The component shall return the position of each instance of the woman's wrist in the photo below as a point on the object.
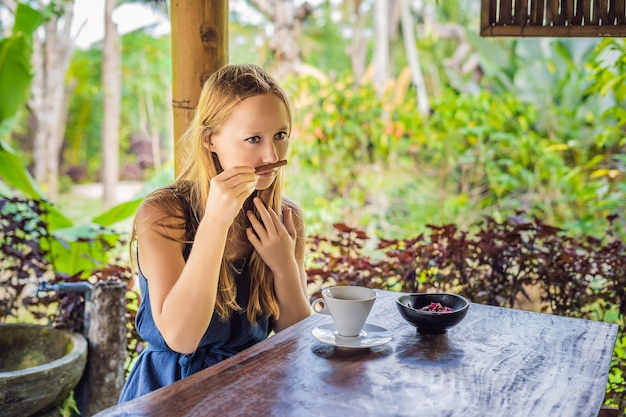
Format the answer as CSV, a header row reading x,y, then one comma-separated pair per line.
x,y
288,270
213,223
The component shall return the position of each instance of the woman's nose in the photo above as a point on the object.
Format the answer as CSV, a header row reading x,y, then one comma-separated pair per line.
x,y
270,153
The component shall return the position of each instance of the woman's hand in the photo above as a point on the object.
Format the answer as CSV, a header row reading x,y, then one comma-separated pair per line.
x,y
274,241
228,191
281,246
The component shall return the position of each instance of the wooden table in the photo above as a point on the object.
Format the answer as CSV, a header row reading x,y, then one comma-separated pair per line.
x,y
497,362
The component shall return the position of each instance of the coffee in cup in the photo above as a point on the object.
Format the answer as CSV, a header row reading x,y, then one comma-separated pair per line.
x,y
349,307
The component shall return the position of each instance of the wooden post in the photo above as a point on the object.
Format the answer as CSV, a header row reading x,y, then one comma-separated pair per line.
x,y
199,48
102,381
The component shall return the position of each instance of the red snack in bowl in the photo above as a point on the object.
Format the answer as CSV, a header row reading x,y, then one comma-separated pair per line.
x,y
436,308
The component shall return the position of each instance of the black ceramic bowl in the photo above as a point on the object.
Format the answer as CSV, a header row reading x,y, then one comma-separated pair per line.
x,y
410,306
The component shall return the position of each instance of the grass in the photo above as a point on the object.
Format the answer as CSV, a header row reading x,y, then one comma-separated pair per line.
x,y
85,202
392,203
79,209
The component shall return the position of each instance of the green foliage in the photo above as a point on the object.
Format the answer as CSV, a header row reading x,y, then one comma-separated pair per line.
x,y
349,136
347,128
16,70
14,174
70,250
320,31
82,147
375,162
145,102
16,73
608,78
15,78
68,407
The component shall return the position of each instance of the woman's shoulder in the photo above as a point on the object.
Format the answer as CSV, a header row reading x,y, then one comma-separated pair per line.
x,y
166,206
289,203
295,208
163,199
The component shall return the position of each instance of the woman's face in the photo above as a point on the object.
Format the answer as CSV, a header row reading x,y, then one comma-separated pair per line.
x,y
255,134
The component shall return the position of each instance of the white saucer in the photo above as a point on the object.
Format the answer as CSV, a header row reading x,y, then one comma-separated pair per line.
x,y
370,336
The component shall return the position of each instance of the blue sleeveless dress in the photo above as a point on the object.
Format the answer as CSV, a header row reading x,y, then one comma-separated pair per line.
x,y
158,365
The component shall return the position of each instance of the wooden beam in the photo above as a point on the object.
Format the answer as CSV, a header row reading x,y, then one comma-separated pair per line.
x,y
556,31
199,48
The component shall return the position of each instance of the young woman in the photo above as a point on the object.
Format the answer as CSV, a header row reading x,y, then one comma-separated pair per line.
x,y
220,252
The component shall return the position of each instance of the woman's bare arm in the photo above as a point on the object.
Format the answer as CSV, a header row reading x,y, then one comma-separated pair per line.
x,y
183,294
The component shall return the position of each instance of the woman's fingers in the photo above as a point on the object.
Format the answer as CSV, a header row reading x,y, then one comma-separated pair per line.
x,y
257,226
270,224
253,238
237,182
229,190
268,216
234,177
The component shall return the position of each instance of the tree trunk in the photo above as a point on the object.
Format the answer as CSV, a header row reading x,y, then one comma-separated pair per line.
x,y
381,45
199,48
52,52
284,42
112,86
150,124
358,46
413,58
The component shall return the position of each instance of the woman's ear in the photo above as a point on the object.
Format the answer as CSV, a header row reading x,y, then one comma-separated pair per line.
x,y
206,140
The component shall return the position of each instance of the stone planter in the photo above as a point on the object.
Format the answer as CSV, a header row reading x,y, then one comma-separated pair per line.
x,y
39,367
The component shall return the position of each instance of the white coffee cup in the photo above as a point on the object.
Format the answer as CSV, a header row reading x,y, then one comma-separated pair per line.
x,y
349,307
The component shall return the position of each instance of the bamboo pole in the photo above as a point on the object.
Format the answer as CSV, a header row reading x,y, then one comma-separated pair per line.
x,y
199,48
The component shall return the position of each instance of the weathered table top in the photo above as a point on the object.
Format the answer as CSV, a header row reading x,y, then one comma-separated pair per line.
x,y
497,362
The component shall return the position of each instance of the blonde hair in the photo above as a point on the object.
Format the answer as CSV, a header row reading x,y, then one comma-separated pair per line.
x,y
220,95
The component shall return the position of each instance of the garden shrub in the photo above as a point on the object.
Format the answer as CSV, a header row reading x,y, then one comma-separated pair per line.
x,y
372,159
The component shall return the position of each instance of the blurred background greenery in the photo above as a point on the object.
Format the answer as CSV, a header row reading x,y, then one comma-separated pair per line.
x,y
533,124
514,123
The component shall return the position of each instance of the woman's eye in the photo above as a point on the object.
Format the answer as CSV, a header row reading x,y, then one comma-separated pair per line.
x,y
254,139
281,136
